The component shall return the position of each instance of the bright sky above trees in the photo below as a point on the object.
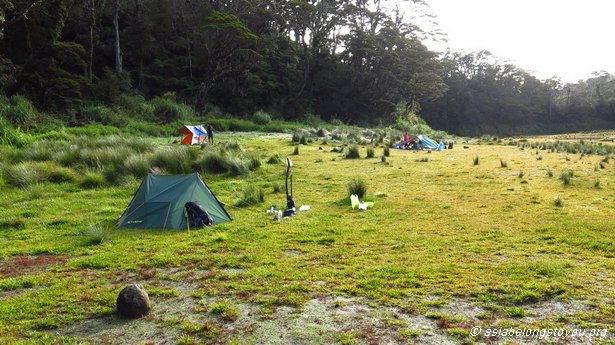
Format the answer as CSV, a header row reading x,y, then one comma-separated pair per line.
x,y
567,38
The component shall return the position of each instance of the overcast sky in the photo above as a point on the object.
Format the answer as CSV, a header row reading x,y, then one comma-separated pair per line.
x,y
567,38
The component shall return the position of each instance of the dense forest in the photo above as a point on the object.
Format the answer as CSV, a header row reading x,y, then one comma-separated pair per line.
x,y
357,61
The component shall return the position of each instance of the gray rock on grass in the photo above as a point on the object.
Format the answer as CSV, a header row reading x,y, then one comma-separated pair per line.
x,y
133,301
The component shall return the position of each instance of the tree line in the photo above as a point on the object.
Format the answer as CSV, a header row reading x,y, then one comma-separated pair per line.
x,y
357,61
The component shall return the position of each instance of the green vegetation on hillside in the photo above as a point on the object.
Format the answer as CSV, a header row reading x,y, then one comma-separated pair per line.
x,y
358,62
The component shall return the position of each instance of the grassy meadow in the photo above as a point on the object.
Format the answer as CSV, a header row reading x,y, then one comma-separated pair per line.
x,y
504,233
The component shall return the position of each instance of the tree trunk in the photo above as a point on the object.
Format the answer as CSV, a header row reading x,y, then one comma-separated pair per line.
x,y
141,75
190,57
116,25
92,23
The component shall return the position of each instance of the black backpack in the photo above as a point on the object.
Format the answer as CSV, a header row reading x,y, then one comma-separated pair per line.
x,y
197,216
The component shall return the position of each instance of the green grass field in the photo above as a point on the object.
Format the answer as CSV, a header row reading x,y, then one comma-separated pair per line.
x,y
449,245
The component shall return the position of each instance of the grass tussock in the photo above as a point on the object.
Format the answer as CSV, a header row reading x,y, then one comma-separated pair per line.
x,y
96,234
220,161
386,152
370,152
274,159
357,187
251,195
92,179
29,173
566,177
558,201
352,153
173,159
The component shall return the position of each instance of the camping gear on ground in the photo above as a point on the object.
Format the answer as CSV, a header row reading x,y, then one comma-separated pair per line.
x,y
197,216
160,202
406,143
426,142
419,142
193,134
290,203
356,204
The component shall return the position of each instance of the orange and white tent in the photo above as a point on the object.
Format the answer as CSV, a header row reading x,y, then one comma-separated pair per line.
x,y
193,134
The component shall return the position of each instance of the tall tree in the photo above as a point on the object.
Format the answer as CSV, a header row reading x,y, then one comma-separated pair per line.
x,y
116,27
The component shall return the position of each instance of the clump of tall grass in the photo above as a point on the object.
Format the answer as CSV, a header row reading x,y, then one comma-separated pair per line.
x,y
521,174
253,162
12,136
237,166
231,146
549,173
357,187
296,151
96,234
370,152
353,153
558,201
580,147
566,177
92,179
261,117
219,161
167,110
213,162
476,160
21,175
42,150
35,191
19,111
274,159
102,114
137,164
28,173
278,187
503,164
101,157
386,152
175,159
251,195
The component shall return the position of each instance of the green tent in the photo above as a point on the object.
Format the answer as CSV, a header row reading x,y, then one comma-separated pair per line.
x,y
160,200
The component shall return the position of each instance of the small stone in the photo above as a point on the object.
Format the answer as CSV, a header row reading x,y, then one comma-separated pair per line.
x,y
133,301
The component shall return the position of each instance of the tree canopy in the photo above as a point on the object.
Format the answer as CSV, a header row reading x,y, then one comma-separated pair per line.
x,y
353,60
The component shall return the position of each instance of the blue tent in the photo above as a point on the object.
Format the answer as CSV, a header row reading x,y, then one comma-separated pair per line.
x,y
426,142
